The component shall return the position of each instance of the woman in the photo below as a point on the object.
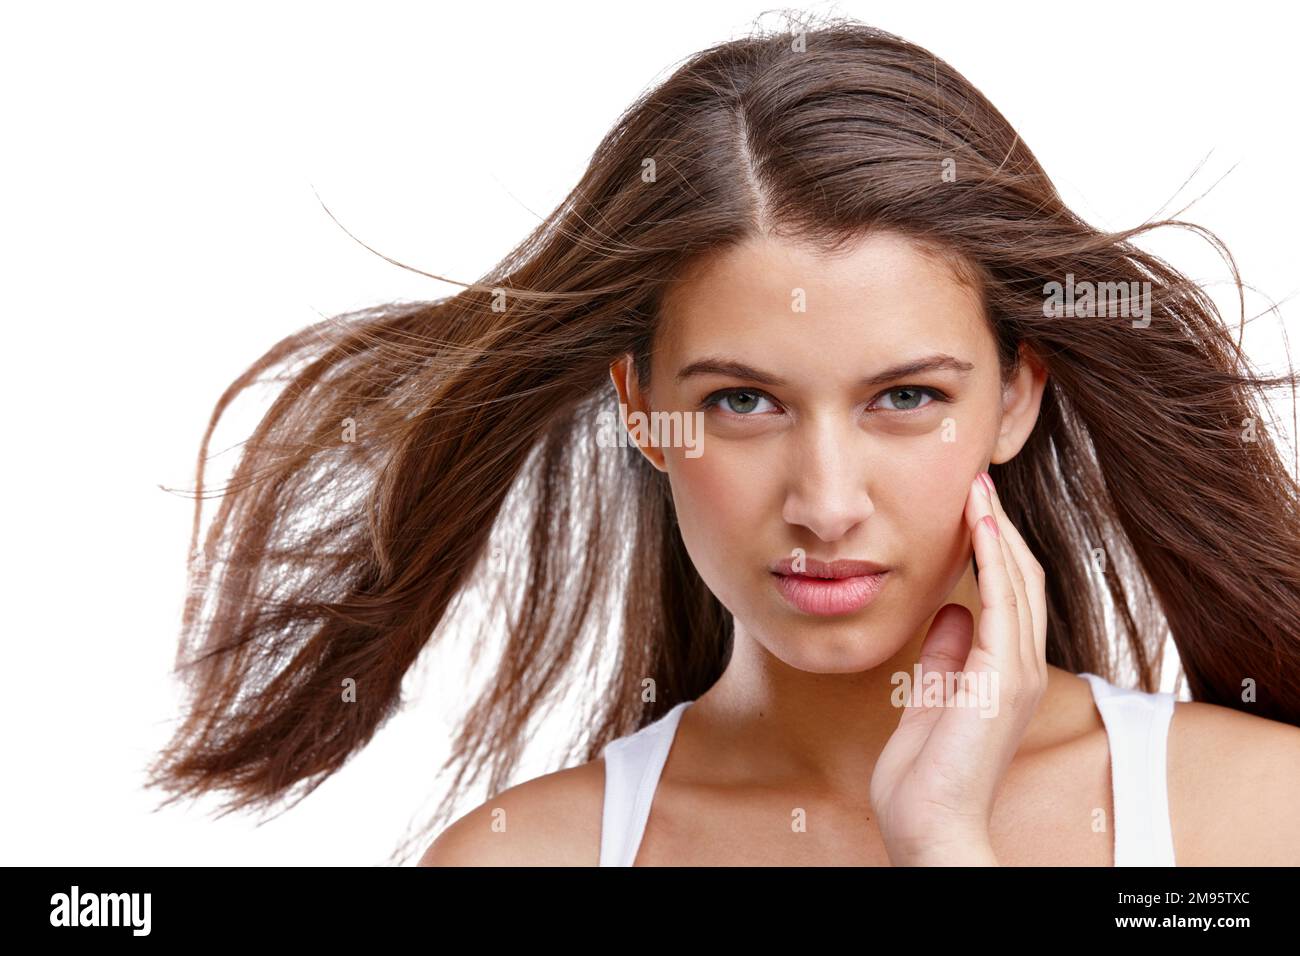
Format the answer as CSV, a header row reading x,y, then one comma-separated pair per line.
x,y
887,412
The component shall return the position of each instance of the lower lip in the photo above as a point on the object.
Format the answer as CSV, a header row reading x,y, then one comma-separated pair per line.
x,y
829,596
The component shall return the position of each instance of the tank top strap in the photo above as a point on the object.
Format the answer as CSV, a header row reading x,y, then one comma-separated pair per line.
x,y
633,764
1137,729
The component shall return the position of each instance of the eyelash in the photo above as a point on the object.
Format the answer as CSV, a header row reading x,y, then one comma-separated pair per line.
x,y
934,393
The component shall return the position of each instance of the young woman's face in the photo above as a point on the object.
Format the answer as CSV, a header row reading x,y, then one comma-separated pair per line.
x,y
815,445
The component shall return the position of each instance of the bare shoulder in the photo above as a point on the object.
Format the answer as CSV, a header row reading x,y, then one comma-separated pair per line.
x,y
552,820
1233,777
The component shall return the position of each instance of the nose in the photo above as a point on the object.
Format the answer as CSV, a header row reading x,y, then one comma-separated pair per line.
x,y
827,490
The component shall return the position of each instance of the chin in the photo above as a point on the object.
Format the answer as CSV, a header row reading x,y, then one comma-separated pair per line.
x,y
846,647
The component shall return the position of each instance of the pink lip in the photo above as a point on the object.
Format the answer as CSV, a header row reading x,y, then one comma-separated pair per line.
x,y
829,596
813,568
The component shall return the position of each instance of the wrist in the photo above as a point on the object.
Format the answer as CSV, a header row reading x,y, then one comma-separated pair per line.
x,y
948,849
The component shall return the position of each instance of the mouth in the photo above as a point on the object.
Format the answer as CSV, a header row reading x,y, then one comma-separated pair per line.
x,y
828,588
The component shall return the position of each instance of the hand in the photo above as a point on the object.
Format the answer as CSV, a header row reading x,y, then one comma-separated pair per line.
x,y
934,785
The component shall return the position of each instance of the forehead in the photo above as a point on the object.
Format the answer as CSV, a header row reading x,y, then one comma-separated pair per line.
x,y
882,299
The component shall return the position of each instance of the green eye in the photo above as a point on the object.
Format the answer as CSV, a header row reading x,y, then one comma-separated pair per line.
x,y
738,401
910,398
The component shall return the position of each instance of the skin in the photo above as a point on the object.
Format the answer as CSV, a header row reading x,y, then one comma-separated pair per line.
x,y
802,720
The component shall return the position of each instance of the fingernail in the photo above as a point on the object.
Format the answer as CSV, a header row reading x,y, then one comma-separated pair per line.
x,y
987,479
993,525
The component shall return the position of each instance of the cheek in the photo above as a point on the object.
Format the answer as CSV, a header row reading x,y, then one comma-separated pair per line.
x,y
926,492
716,492
719,499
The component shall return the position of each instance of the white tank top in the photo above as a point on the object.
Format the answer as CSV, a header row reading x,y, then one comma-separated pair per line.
x,y
1137,729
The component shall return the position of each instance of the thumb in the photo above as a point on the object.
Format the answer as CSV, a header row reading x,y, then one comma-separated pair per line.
x,y
947,643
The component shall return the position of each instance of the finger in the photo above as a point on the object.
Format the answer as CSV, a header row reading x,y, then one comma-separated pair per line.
x,y
999,618
1032,574
947,642
1024,633
1023,609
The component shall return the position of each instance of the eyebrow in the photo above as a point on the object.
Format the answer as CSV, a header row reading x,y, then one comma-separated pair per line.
x,y
930,363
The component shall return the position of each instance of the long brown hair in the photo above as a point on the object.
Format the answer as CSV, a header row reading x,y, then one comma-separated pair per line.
x,y
473,452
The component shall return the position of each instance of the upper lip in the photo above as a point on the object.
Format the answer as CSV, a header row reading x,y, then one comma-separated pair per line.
x,y
841,568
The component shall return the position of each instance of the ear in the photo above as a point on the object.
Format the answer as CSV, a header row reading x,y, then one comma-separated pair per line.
x,y
1021,399
631,401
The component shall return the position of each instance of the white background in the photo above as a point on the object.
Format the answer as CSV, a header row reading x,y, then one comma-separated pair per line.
x,y
161,228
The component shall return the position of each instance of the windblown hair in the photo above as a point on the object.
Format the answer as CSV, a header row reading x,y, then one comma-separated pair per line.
x,y
476,420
